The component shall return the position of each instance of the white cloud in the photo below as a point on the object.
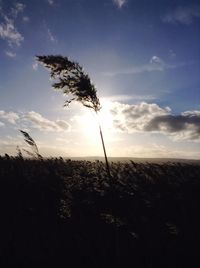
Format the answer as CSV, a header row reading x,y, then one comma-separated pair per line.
x,y
35,120
26,18
152,118
119,3
191,113
156,60
9,32
11,117
62,124
182,15
51,2
10,54
1,124
44,124
19,7
132,118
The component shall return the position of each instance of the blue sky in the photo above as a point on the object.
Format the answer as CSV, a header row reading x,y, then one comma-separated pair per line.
x,y
142,56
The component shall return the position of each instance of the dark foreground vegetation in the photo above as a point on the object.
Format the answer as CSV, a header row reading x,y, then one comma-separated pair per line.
x,y
63,213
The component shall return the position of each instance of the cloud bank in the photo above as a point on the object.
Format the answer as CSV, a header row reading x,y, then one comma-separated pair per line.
x,y
146,117
43,124
34,120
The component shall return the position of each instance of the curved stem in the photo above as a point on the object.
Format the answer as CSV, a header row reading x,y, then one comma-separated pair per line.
x,y
103,145
104,150
109,174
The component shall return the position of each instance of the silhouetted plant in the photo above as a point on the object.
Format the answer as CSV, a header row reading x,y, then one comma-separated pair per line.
x,y
32,143
72,80
51,211
19,152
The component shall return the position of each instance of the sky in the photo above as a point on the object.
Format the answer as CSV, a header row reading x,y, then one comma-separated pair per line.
x,y
142,56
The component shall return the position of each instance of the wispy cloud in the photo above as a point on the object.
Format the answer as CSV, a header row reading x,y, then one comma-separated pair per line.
x,y
182,15
119,3
11,117
51,36
48,32
146,117
10,54
155,64
8,30
18,7
35,66
172,54
124,98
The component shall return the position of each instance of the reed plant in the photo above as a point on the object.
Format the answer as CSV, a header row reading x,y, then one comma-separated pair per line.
x,y
76,85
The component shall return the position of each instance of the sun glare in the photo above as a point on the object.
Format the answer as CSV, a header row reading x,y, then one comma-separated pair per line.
x,y
90,122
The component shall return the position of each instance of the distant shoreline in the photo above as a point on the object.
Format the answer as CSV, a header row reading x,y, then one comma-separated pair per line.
x,y
121,159
135,159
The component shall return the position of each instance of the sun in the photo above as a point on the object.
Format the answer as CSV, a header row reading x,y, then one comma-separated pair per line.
x,y
90,122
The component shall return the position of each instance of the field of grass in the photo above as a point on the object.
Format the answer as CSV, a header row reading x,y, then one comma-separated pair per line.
x,y
67,213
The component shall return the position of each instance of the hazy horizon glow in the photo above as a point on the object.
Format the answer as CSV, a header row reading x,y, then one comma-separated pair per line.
x,y
143,59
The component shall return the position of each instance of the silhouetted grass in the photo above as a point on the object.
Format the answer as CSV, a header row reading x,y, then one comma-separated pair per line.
x,y
62,213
